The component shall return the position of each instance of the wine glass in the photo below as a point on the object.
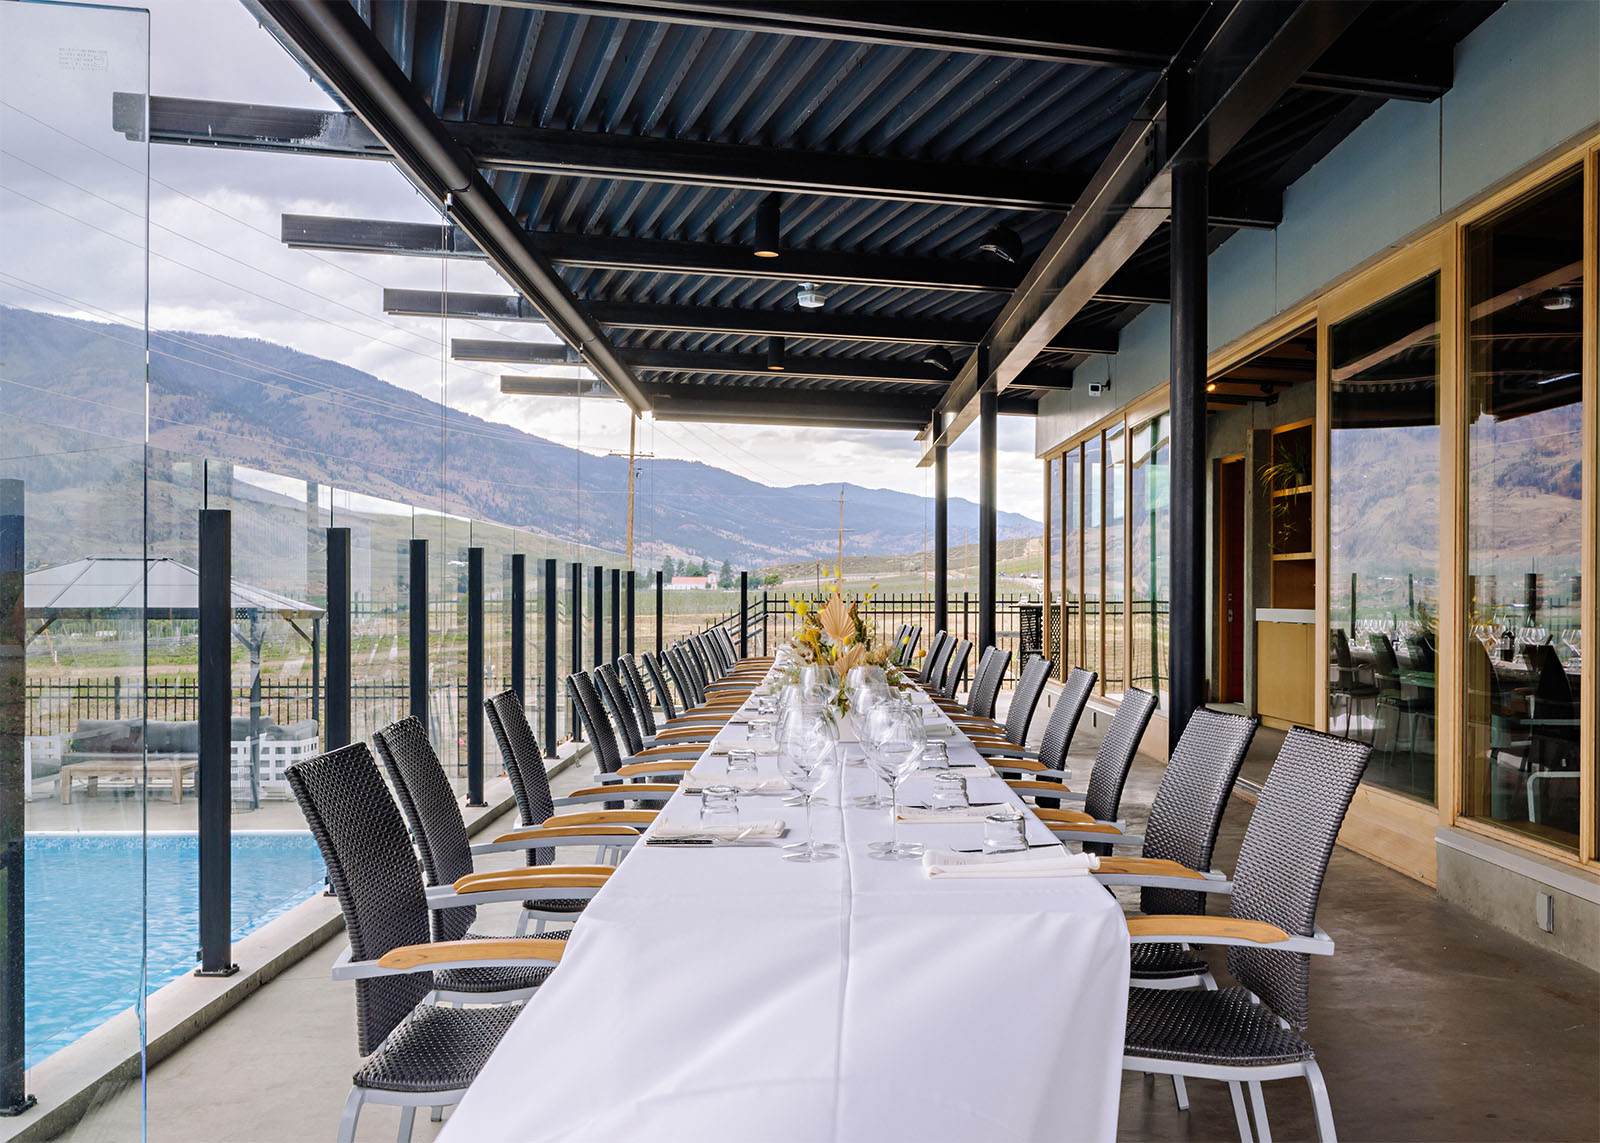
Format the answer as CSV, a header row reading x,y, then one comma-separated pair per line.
x,y
805,720
869,729
899,739
807,759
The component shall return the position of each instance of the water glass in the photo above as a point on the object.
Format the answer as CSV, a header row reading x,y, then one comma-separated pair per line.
x,y
935,755
719,806
742,762
760,730
1005,831
766,705
949,791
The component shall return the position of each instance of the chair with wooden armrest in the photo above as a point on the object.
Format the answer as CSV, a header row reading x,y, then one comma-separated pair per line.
x,y
434,815
955,669
932,672
624,720
1102,796
1076,825
1247,1035
1051,760
672,729
418,1053
985,692
1012,735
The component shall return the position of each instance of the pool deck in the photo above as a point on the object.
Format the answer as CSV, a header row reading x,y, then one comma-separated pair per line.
x,y
1429,1025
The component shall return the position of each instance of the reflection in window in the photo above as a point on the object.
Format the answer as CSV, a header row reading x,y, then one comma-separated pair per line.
x,y
1093,514
1052,575
1524,511
1383,552
1072,561
1150,512
1112,671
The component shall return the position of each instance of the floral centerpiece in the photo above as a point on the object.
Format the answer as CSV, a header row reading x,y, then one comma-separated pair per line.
x,y
839,636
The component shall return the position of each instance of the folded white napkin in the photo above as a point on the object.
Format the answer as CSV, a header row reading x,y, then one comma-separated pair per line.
x,y
743,831
696,781
1052,862
939,730
916,815
722,748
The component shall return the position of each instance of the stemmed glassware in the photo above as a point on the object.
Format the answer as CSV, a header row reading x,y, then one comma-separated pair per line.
x,y
807,756
898,737
799,720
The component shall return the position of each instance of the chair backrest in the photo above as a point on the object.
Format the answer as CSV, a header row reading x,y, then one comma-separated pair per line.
x,y
524,765
1114,759
730,649
623,719
659,681
908,644
1384,664
580,688
955,668
1187,809
430,809
677,667
374,874
1284,858
702,658
1064,718
1025,699
985,691
633,684
686,658
938,652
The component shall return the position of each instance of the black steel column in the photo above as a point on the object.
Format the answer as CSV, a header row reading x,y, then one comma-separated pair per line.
x,y
337,678
1188,533
214,774
14,1097
575,599
316,671
658,614
633,589
475,677
616,614
941,532
552,644
988,491
419,631
519,627
744,615
599,614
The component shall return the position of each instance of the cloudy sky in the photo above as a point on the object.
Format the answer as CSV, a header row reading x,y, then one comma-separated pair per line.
x,y
217,266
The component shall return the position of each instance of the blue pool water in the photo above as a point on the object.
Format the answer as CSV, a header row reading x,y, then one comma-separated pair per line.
x,y
86,909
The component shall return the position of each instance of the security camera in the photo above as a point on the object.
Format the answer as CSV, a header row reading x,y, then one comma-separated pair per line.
x,y
1098,387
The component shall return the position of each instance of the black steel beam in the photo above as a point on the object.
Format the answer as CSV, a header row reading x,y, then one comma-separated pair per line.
x,y
519,626
1187,650
616,614
336,729
756,406
646,361
552,628
633,599
554,387
475,714
214,774
941,535
988,533
334,43
418,642
1137,37
1235,68
744,615
598,593
14,1097
650,255
575,601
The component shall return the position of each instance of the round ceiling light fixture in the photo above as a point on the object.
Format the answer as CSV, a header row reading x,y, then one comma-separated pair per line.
x,y
768,224
809,297
1003,243
938,357
775,354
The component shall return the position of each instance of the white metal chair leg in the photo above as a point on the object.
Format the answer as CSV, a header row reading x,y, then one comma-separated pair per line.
x,y
1209,981
522,923
1181,1091
1258,1101
1320,1103
436,1115
408,1118
1236,1091
350,1115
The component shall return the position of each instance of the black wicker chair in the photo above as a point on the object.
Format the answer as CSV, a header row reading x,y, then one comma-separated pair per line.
x,y
1011,737
932,673
669,709
1047,770
638,698
417,1054
985,693
455,886
1095,825
1247,1034
955,669
907,653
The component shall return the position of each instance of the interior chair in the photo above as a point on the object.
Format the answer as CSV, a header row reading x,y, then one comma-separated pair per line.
x,y
1347,685
1247,1034
417,1054
955,669
1011,737
1040,776
932,671
1096,824
985,693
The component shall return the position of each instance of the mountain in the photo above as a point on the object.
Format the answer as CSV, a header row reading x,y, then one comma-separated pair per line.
x,y
270,407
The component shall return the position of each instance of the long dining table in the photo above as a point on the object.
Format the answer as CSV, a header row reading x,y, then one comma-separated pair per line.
x,y
722,993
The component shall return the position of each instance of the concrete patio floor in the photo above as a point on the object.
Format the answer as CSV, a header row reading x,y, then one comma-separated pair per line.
x,y
1428,1024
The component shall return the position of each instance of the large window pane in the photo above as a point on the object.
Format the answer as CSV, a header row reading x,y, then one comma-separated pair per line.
x,y
1093,555
1150,511
1113,674
1383,554
1524,513
1052,588
1072,560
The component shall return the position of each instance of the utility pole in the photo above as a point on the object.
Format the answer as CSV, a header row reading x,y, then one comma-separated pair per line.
x,y
841,533
634,457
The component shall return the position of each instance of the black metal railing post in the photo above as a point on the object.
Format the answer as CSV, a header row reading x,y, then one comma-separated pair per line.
x,y
336,688
616,614
658,613
552,644
633,588
475,677
214,776
599,613
519,627
575,598
14,1097
744,615
419,633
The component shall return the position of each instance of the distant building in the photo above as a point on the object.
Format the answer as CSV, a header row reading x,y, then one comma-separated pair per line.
x,y
689,582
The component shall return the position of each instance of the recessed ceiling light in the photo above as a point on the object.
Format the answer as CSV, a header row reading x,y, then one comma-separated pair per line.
x,y
1211,386
1558,300
808,296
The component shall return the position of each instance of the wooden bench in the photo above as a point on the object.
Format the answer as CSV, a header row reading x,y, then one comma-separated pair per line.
x,y
175,766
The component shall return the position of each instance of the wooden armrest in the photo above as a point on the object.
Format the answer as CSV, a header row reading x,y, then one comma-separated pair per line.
x,y
1148,866
1185,928
602,817
633,769
657,751
1032,787
1020,764
554,834
1085,827
541,877
1063,817
445,952
624,790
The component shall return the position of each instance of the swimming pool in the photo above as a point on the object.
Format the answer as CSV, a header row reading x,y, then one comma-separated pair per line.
x,y
86,908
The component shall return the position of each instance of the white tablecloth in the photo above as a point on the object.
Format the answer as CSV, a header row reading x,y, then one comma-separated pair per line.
x,y
726,994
